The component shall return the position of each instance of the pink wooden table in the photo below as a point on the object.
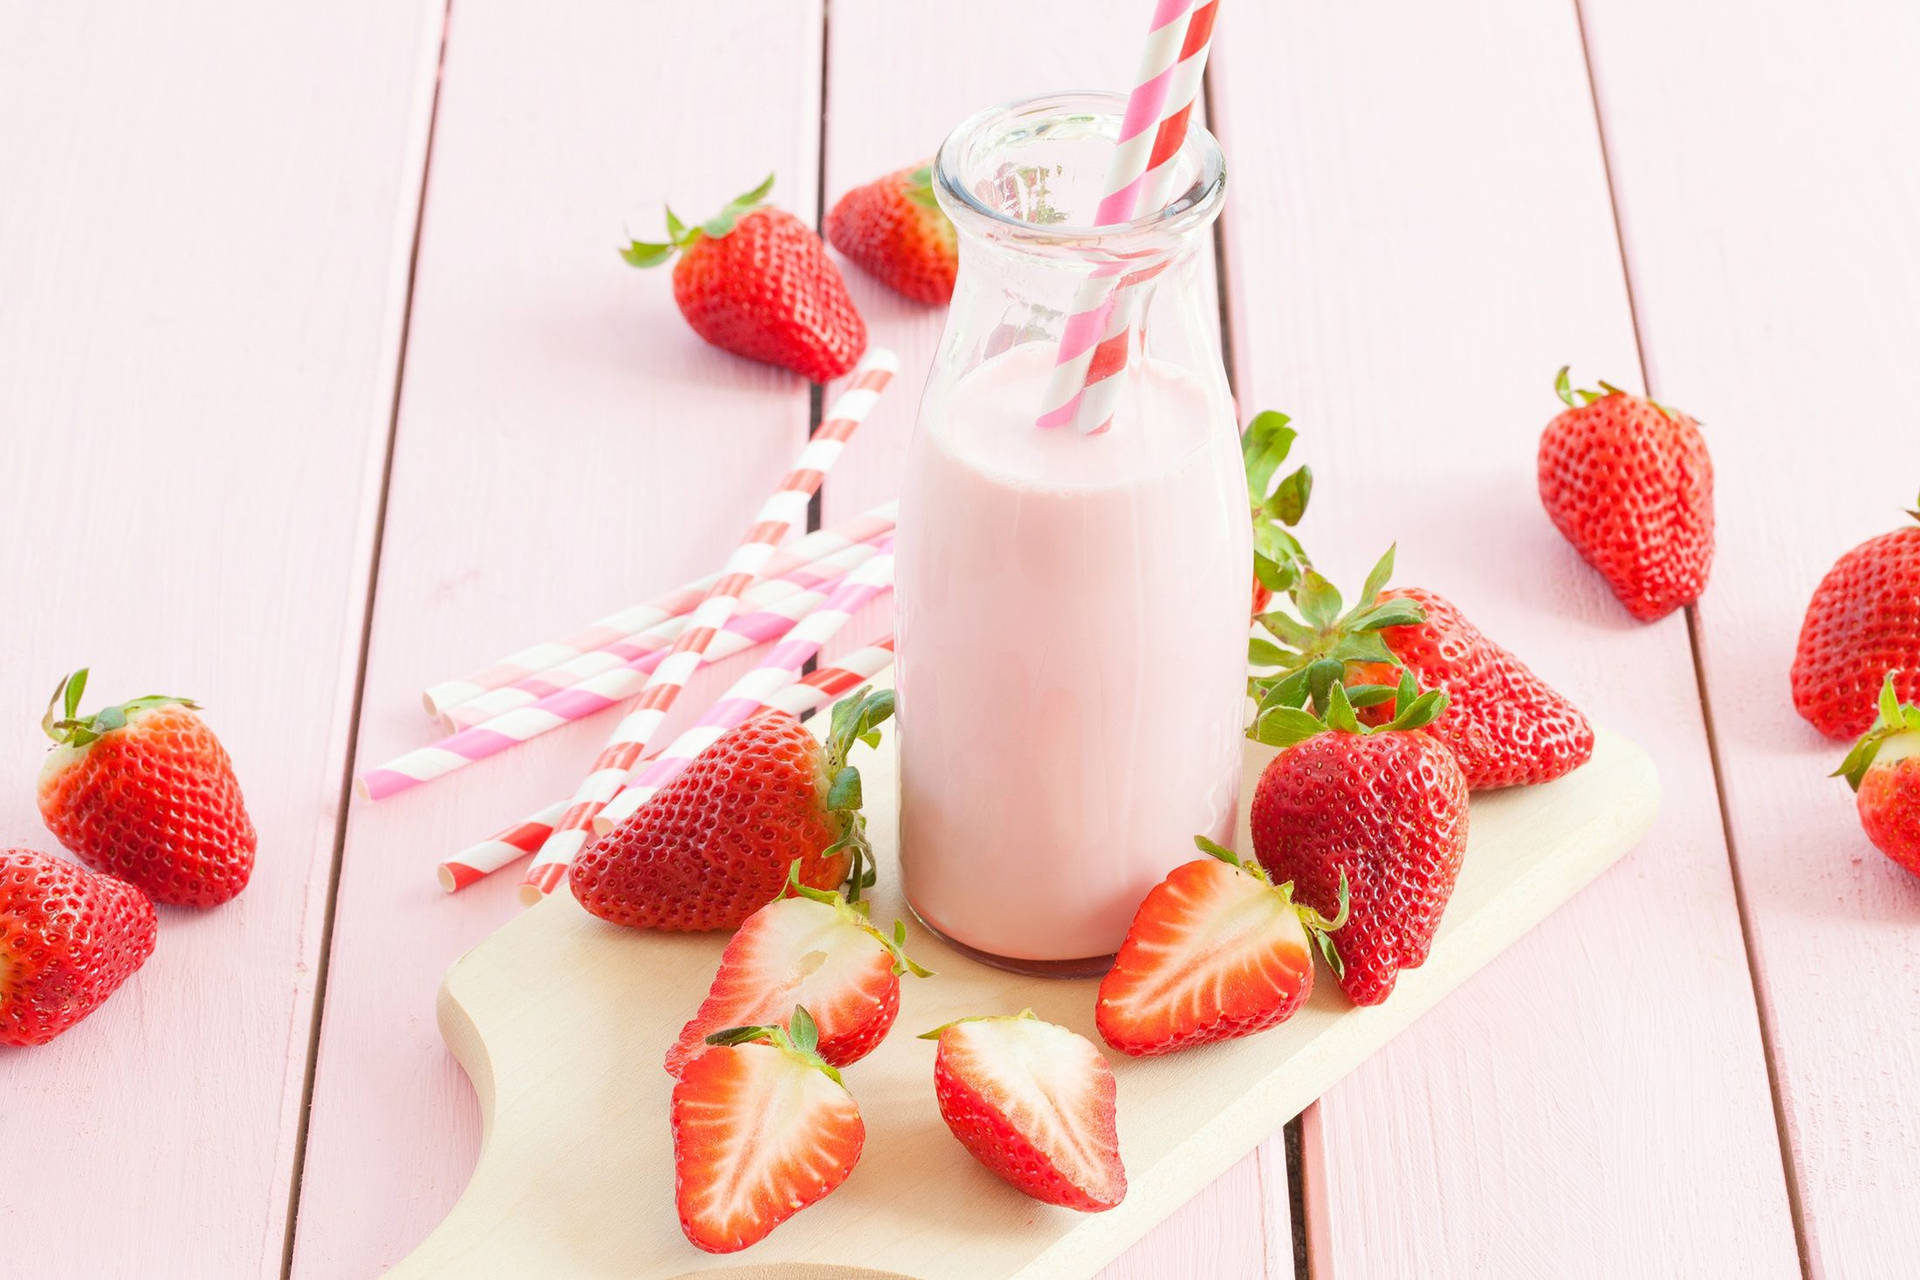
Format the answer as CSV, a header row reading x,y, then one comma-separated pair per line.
x,y
320,380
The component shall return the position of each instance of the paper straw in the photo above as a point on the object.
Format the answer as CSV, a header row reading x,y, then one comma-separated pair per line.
x,y
510,728
786,507
768,609
811,692
624,623
778,668
1093,346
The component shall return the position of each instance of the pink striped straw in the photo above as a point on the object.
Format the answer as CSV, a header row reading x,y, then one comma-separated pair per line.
x,y
1093,346
624,623
769,606
809,693
510,728
786,507
778,668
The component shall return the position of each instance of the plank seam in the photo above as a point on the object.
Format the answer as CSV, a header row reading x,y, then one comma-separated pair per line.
x,y
1767,1041
323,962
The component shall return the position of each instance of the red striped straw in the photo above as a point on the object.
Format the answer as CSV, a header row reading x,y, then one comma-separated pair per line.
x,y
623,624
786,507
769,609
589,697
778,668
1093,346
809,693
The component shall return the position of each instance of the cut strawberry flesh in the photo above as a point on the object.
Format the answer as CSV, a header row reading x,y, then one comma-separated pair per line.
x,y
1035,1103
758,1134
1215,952
800,952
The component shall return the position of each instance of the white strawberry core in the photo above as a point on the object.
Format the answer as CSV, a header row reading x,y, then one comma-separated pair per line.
x,y
1903,746
1039,1076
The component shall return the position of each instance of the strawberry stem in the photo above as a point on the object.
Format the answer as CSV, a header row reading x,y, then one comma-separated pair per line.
x,y
799,1038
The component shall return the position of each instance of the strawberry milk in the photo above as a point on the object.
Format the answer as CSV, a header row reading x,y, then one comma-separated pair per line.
x,y
1072,615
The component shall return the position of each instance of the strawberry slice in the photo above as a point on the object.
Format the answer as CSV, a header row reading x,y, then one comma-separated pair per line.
x,y
1216,951
814,950
762,1128
1035,1104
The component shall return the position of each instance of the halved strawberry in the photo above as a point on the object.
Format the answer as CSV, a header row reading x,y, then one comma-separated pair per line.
x,y
1216,951
812,949
1035,1104
762,1128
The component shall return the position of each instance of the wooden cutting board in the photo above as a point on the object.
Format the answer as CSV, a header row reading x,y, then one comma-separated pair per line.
x,y
561,1020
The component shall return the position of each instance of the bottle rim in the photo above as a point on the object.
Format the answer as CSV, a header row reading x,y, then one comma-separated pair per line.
x,y
1189,211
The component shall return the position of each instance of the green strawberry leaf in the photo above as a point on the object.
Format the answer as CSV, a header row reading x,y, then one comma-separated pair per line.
x,y
1264,653
1284,726
844,792
641,254
1377,578
1215,850
1289,502
1317,599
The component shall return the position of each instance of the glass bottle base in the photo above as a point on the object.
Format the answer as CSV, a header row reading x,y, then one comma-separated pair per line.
x,y
1089,967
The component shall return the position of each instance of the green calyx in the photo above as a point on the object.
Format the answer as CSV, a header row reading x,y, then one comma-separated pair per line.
x,y
856,718
1318,927
978,1017
1579,397
1283,726
641,253
69,729
919,187
800,1039
1311,648
1277,502
1894,720
855,913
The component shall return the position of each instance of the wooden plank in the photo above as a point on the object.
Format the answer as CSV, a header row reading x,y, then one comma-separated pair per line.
x,y
887,112
564,443
203,250
1763,163
1419,235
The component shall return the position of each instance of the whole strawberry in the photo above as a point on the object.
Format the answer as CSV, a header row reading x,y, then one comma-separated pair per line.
x,y
1630,485
1506,726
756,281
1884,770
716,843
68,938
1384,808
1278,504
895,230
1862,623
145,792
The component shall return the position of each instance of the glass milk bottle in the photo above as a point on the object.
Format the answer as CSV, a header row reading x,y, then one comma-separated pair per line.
x,y
1072,605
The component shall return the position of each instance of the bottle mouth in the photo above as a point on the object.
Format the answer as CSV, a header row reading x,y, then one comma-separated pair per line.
x,y
1034,172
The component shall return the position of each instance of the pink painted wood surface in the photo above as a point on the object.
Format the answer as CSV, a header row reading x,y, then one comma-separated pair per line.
x,y
564,441
1764,163
1418,235
203,244
886,113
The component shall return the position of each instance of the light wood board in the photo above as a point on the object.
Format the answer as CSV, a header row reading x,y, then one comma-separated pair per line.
x,y
561,1021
